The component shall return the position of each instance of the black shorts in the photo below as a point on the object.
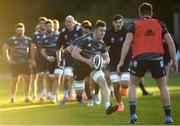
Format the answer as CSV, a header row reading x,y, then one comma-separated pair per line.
x,y
19,69
113,66
155,66
80,71
41,65
68,60
51,67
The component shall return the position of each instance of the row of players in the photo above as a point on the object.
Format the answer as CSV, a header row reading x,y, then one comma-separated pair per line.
x,y
52,56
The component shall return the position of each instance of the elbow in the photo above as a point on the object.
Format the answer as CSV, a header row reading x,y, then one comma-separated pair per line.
x,y
108,61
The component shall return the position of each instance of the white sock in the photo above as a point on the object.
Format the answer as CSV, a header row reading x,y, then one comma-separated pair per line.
x,y
107,104
13,96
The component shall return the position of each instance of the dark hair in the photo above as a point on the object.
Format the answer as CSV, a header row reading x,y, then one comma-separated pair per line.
x,y
19,25
145,9
100,23
86,24
117,17
42,19
49,21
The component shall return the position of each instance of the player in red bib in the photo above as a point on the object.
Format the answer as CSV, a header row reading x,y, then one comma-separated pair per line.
x,y
145,35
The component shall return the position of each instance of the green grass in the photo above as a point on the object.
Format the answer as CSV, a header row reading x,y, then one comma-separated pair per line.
x,y
149,109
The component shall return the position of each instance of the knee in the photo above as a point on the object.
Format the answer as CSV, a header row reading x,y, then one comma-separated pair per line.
x,y
101,80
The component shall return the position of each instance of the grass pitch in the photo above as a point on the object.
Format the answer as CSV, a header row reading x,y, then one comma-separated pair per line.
x,y
149,109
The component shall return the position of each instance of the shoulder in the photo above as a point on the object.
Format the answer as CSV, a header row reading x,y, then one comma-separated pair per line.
x,y
36,33
164,27
78,28
161,23
12,38
57,33
84,40
27,38
63,30
130,26
109,31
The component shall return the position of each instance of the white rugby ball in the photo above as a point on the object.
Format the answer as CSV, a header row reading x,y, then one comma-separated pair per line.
x,y
98,62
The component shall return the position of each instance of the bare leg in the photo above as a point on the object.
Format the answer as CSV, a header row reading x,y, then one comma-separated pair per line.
x,y
14,84
26,80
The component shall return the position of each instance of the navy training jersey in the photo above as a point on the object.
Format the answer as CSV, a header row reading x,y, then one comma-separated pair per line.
x,y
89,47
67,37
49,44
57,33
19,48
37,39
116,41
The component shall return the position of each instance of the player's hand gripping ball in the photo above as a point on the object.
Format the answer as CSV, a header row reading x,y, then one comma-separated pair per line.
x,y
98,62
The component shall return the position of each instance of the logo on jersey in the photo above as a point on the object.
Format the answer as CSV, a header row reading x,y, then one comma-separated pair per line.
x,y
44,36
121,39
38,37
112,40
46,41
15,42
89,45
65,37
149,32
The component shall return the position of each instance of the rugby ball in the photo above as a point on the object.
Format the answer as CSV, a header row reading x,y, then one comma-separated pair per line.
x,y
98,62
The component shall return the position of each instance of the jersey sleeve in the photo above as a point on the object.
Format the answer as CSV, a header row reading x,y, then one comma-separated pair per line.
x,y
60,41
104,48
130,27
106,38
33,38
164,28
75,41
81,43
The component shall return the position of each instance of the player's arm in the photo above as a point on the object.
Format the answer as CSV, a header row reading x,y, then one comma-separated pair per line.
x,y
44,54
59,47
58,55
33,50
69,48
171,46
106,58
6,53
33,53
125,49
76,55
